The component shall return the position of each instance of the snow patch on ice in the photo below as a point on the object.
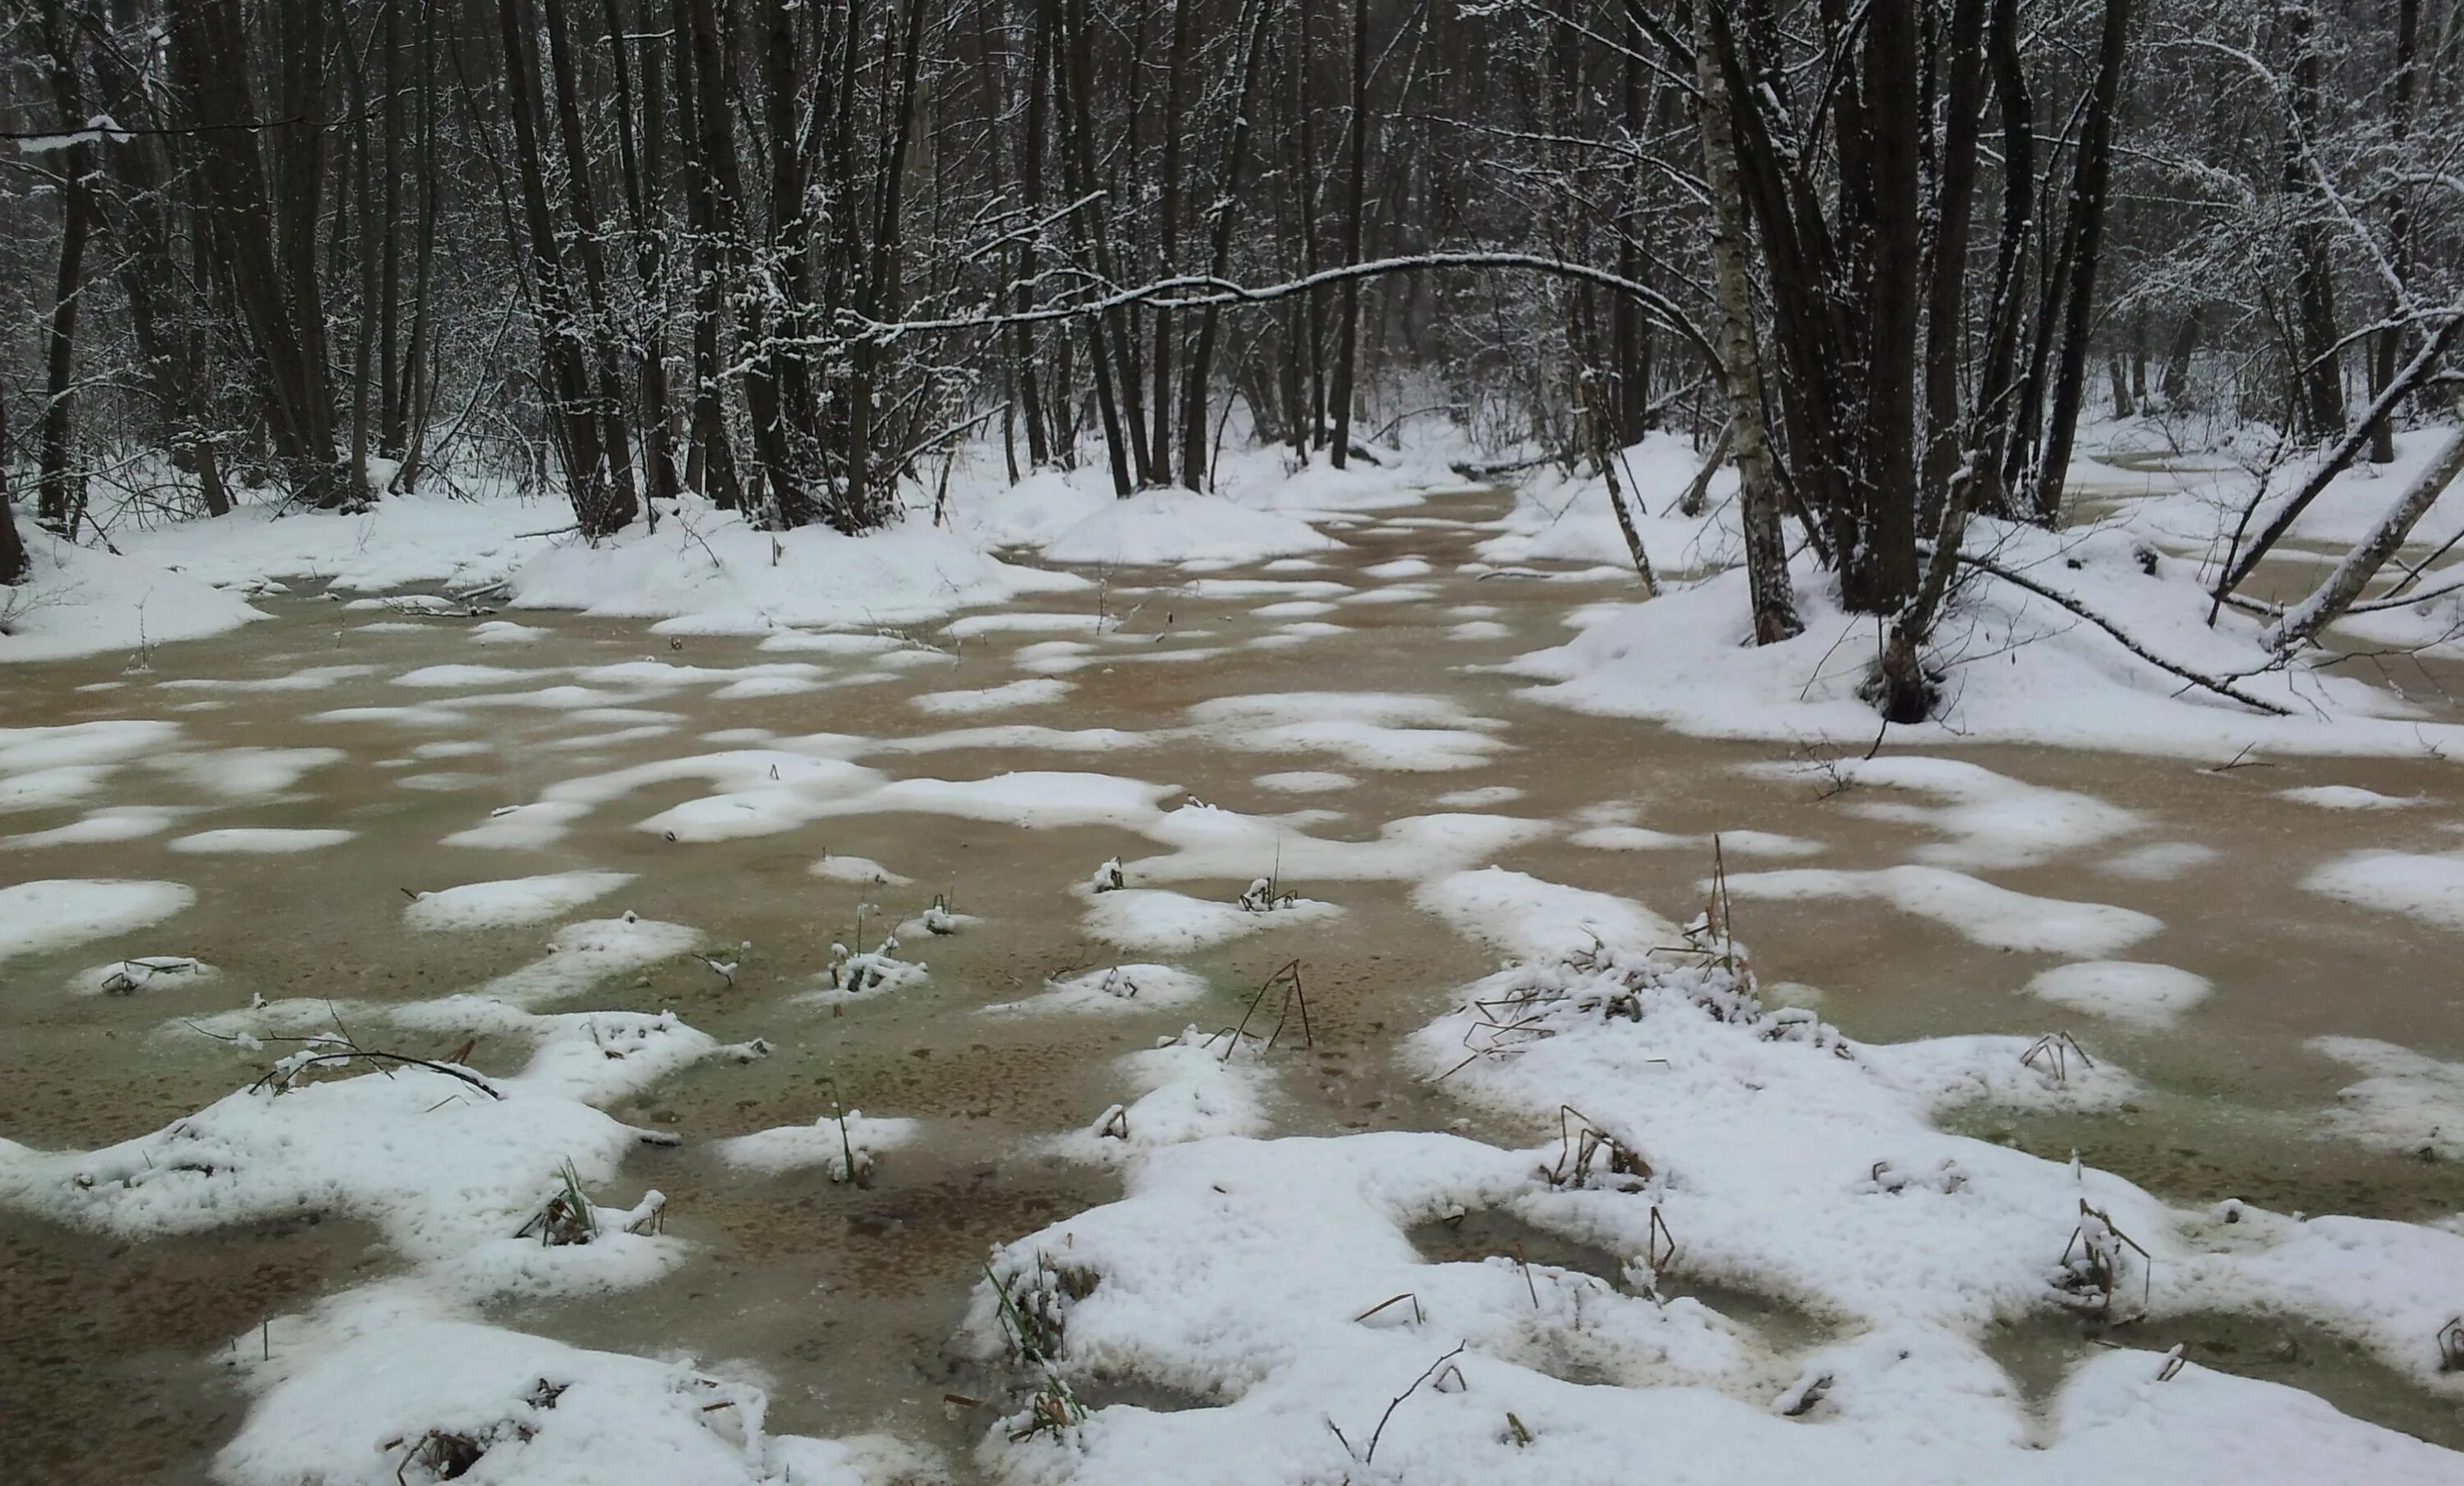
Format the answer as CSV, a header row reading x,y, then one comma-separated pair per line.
x,y
1112,989
1368,730
37,918
2158,861
1996,917
1992,819
259,841
2346,797
2428,888
2408,1103
2150,995
827,1143
1040,692
1161,920
511,900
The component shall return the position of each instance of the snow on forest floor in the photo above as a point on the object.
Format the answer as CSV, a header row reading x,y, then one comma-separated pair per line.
x,y
562,958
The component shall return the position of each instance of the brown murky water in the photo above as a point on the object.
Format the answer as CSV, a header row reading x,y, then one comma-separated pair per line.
x,y
842,1299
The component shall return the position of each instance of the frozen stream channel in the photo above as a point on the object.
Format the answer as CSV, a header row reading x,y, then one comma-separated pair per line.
x,y
253,839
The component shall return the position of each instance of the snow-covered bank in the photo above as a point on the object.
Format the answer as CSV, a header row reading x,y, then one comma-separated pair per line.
x,y
703,571
1262,508
2012,666
707,571
84,601
1563,517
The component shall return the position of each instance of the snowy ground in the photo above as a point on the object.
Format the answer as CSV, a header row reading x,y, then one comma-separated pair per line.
x,y
1193,905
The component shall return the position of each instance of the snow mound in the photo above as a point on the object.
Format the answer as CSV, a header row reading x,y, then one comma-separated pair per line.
x,y
992,698
1187,1088
831,1141
1992,820
368,1406
2346,797
1209,841
447,1163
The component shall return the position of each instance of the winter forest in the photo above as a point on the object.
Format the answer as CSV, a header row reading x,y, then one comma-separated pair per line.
x,y
1094,743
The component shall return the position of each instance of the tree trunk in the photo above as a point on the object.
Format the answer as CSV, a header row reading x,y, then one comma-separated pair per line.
x,y
1597,423
1773,596
1880,574
390,402
2175,384
1630,337
59,499
572,426
1356,148
867,503
2327,603
374,240
1168,241
14,561
778,380
2318,372
298,209
1194,462
2389,342
710,189
2090,184
1946,258
622,500
1996,408
208,56
1309,351
418,381
173,350
1015,343
640,161
1078,160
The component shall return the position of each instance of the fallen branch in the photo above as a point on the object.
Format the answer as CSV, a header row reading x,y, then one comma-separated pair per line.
x,y
1471,470
282,1077
2069,605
